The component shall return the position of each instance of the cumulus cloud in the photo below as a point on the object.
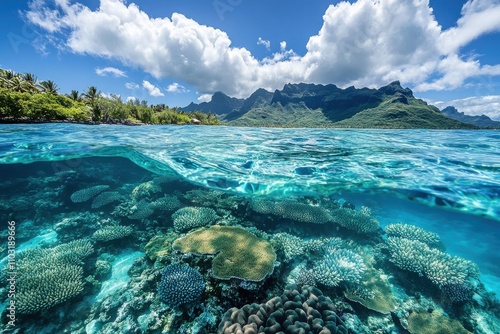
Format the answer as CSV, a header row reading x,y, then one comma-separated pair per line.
x,y
152,89
176,88
363,43
264,42
110,70
131,85
488,105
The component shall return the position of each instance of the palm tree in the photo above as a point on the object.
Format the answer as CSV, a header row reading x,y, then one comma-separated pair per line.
x,y
30,81
49,86
91,97
75,95
6,77
17,84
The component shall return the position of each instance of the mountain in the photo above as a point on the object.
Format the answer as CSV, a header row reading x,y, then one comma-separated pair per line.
x,y
481,121
314,105
220,104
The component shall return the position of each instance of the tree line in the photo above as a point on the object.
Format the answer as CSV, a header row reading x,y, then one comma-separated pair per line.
x,y
24,98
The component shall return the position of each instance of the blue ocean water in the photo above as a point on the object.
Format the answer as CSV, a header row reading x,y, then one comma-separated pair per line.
x,y
447,182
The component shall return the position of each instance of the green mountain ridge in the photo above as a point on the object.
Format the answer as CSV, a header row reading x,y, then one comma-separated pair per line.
x,y
482,121
316,105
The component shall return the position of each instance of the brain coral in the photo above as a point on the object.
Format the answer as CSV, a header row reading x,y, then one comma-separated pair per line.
x,y
240,254
180,285
304,310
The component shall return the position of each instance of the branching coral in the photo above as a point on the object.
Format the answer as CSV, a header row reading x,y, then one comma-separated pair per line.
x,y
84,195
47,277
440,268
192,217
239,253
290,209
180,285
339,265
413,233
105,198
358,221
112,232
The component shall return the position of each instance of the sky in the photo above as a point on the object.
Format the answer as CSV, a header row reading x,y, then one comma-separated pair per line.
x,y
176,52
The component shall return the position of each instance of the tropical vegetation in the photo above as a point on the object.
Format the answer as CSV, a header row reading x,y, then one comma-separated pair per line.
x,y
25,99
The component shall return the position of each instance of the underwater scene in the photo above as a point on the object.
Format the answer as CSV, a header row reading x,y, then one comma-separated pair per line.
x,y
193,229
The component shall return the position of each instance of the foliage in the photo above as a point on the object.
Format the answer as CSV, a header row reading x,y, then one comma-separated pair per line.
x,y
22,98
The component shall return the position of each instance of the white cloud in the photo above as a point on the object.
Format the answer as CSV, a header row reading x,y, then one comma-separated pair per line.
x,y
264,42
131,85
177,88
152,89
363,43
204,97
131,98
488,105
110,70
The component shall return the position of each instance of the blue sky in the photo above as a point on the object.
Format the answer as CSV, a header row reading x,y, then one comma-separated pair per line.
x,y
175,52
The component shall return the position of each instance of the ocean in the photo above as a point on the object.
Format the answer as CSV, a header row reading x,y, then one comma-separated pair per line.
x,y
194,229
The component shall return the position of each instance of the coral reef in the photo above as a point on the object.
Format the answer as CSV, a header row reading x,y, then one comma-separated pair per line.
x,y
448,272
85,194
192,217
180,285
298,310
358,221
293,210
434,323
105,198
112,232
339,265
374,292
238,253
47,277
159,246
166,203
413,233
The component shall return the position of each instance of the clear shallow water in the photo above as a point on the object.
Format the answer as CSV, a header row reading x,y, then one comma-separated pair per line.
x,y
455,169
447,182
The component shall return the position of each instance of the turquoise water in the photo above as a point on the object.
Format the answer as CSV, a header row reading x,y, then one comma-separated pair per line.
x,y
446,182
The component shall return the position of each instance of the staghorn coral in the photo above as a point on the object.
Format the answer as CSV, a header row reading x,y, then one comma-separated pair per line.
x,y
440,268
290,209
105,198
239,253
180,285
84,195
297,310
358,221
339,265
112,232
47,277
413,233
291,245
191,217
